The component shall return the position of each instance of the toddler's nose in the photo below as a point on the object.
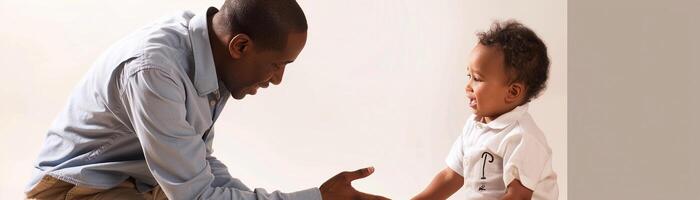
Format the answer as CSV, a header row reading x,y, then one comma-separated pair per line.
x,y
468,87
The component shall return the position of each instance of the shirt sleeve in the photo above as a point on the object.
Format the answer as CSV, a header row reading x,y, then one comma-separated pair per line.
x,y
175,153
524,159
454,158
222,178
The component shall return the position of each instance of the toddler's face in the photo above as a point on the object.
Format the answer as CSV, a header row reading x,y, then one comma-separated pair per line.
x,y
487,84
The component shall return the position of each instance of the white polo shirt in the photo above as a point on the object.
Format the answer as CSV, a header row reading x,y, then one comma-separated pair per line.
x,y
490,156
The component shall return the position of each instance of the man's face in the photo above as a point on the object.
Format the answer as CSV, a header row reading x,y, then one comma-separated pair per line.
x,y
257,68
487,84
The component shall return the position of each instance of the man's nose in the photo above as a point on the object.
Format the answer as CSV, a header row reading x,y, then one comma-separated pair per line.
x,y
277,76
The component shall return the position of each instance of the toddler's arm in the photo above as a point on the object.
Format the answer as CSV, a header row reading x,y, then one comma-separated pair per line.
x,y
516,191
445,183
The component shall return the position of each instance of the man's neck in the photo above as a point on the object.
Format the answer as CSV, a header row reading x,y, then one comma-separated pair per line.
x,y
217,39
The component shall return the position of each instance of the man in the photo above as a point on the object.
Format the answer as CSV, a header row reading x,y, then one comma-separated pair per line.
x,y
139,125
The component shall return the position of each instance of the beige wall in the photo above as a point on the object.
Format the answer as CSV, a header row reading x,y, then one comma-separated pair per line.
x,y
633,101
379,83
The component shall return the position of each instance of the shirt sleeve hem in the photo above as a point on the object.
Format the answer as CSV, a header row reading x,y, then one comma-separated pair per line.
x,y
455,165
511,174
308,194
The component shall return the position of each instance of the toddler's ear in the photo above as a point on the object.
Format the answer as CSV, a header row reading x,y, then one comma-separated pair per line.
x,y
516,92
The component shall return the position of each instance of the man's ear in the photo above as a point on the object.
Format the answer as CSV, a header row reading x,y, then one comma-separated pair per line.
x,y
239,45
516,92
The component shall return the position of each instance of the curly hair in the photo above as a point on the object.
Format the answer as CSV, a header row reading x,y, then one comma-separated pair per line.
x,y
526,59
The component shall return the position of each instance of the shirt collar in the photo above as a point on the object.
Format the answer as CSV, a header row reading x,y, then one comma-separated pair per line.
x,y
505,119
205,79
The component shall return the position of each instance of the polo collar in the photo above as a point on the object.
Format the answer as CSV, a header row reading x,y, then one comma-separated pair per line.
x,y
205,79
505,119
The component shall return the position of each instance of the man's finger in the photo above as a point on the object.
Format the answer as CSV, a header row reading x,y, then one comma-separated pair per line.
x,y
358,174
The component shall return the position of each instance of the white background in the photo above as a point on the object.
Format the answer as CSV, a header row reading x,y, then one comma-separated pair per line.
x,y
379,83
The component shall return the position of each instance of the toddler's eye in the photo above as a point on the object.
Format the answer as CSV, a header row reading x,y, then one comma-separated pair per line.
x,y
469,76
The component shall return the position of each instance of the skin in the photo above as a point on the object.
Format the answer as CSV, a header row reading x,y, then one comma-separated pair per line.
x,y
445,183
244,67
489,92
340,186
489,95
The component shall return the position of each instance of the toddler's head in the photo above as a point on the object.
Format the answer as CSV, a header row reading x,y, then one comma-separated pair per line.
x,y
507,68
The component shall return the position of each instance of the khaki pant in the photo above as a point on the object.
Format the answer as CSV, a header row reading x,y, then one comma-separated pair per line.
x,y
50,188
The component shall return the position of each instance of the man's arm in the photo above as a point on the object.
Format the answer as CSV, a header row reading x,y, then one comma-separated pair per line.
x,y
222,178
445,183
177,157
516,191
175,153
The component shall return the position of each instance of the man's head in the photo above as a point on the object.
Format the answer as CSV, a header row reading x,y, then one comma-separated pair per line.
x,y
509,67
255,40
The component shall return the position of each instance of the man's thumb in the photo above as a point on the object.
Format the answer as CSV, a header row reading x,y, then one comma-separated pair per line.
x,y
358,174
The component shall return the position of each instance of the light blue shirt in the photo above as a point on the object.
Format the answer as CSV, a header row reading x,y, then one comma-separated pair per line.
x,y
146,110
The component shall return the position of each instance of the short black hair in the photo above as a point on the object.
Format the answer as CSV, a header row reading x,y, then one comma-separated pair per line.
x,y
526,59
266,22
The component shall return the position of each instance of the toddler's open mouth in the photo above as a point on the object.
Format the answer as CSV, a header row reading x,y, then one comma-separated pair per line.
x,y
472,102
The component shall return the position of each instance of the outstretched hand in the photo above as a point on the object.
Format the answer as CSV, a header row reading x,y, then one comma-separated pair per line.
x,y
339,187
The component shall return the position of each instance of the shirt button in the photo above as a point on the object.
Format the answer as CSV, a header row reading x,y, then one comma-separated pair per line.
x,y
212,103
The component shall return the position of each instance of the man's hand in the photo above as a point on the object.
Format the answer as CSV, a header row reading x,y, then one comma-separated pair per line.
x,y
340,188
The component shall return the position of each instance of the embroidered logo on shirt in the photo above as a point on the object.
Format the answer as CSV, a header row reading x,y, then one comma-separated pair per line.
x,y
484,156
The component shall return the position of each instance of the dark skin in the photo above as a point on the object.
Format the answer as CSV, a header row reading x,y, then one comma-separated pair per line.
x,y
244,67
340,186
